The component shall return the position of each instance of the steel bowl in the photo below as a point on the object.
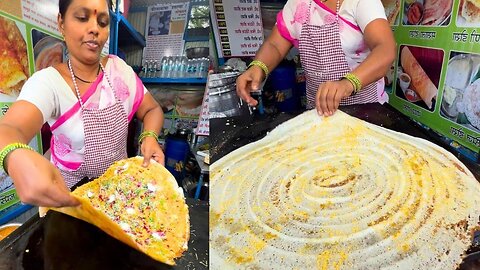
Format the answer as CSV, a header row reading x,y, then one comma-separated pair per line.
x,y
7,229
197,52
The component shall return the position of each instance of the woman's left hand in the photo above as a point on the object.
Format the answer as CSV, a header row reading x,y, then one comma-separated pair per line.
x,y
151,149
329,95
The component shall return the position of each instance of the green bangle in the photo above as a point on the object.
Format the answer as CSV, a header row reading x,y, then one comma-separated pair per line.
x,y
261,65
355,81
8,149
147,133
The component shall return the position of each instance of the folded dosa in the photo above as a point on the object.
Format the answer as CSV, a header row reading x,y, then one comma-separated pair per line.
x,y
392,8
142,207
12,73
420,83
340,193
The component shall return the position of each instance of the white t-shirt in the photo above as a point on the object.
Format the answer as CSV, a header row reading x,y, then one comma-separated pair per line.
x,y
51,94
354,16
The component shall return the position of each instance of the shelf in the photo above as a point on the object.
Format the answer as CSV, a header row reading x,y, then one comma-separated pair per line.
x,y
127,34
13,212
123,34
175,80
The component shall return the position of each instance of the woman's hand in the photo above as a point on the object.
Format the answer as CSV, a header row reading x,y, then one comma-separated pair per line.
x,y
329,95
37,180
250,81
151,149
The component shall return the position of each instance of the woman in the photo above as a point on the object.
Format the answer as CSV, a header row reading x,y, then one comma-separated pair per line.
x,y
346,48
88,102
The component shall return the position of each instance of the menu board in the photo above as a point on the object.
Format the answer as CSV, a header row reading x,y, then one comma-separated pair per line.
x,y
237,26
436,77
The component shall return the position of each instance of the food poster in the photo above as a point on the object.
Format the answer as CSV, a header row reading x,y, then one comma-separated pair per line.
x,y
29,41
435,78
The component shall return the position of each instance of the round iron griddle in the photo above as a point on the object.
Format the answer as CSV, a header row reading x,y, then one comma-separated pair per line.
x,y
59,241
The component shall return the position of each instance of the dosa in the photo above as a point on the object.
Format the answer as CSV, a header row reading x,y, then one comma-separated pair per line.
x,y
421,83
142,207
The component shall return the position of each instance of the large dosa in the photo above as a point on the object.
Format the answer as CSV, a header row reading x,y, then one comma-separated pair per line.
x,y
142,207
420,83
340,193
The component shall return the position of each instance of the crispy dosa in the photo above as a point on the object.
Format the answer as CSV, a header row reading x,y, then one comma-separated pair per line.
x,y
420,83
13,54
392,8
142,207
340,193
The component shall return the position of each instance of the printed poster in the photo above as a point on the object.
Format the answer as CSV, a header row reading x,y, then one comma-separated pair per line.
x,y
164,30
237,25
436,77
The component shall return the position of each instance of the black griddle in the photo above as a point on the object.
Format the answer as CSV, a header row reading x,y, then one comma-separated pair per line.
x,y
228,134
59,241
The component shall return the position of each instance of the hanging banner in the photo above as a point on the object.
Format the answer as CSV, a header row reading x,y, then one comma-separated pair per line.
x,y
164,30
237,26
436,77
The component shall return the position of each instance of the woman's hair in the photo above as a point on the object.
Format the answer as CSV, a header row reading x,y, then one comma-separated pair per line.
x,y
64,4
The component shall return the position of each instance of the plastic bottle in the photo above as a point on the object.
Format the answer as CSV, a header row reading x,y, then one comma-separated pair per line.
x,y
171,66
164,67
183,67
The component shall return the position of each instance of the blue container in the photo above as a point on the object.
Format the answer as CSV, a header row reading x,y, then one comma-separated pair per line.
x,y
283,81
176,152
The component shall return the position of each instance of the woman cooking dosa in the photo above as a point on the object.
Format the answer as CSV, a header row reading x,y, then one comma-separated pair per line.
x,y
88,102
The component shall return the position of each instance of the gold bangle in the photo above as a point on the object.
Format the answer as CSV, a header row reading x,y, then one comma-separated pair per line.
x,y
355,81
8,149
147,133
261,65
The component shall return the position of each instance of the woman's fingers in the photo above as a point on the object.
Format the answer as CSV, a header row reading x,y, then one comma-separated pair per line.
x,y
249,81
329,95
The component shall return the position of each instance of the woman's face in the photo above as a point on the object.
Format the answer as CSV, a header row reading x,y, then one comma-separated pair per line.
x,y
86,27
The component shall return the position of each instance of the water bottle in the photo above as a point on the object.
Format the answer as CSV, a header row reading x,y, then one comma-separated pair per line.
x,y
203,66
183,67
164,67
154,69
144,69
171,66
189,70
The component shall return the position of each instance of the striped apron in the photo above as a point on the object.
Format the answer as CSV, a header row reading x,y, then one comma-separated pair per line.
x,y
323,60
106,133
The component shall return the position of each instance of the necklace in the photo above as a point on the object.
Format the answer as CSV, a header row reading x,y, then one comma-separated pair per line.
x,y
76,86
85,81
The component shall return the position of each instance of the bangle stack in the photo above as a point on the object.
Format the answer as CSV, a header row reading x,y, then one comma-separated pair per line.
x,y
147,133
261,65
8,149
355,81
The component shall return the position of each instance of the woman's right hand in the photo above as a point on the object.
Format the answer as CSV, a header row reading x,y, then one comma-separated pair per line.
x,y
37,181
250,81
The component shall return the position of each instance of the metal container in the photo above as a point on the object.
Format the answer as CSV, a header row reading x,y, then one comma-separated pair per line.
x,y
7,229
197,52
